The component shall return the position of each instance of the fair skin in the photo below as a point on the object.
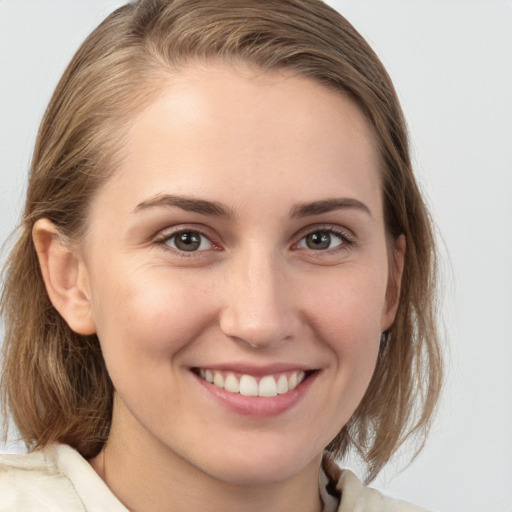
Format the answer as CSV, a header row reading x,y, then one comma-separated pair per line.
x,y
241,239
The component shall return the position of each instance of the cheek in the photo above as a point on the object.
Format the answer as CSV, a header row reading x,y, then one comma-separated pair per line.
x,y
346,311
145,321
350,300
150,315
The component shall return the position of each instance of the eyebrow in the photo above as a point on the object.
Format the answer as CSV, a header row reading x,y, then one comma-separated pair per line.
x,y
189,204
329,205
216,209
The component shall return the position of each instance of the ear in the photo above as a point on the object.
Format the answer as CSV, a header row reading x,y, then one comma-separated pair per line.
x,y
396,269
65,277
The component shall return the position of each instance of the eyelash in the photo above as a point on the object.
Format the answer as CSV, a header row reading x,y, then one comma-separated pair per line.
x,y
347,241
165,238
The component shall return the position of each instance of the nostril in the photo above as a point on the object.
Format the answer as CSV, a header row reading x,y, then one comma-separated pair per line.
x,y
259,330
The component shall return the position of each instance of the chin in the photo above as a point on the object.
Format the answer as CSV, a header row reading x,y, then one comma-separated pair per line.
x,y
261,465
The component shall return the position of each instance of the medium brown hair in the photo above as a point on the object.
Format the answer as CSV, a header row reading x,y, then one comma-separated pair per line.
x,y
55,383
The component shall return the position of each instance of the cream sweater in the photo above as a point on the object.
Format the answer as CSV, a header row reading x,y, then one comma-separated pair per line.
x,y
59,479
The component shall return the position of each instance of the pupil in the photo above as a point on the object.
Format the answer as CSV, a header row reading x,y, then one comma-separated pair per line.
x,y
188,241
318,240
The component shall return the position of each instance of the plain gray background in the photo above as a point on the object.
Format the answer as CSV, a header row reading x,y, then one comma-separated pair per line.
x,y
451,61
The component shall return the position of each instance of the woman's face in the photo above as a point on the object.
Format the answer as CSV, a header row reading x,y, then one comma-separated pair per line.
x,y
241,241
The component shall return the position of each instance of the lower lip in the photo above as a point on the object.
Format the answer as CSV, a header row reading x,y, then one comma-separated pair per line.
x,y
258,406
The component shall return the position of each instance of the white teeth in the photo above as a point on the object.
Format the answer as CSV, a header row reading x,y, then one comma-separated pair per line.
x,y
218,379
267,386
292,383
282,385
248,386
231,384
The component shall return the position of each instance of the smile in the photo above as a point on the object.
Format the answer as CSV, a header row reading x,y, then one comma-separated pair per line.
x,y
248,385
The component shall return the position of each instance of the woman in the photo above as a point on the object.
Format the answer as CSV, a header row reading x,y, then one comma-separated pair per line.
x,y
224,277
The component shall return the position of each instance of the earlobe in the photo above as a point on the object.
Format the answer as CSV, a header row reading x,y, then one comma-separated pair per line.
x,y
396,269
65,277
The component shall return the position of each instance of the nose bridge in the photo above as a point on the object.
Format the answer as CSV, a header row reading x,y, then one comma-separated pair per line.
x,y
258,308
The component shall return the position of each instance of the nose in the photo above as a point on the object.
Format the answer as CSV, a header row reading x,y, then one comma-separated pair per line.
x,y
258,305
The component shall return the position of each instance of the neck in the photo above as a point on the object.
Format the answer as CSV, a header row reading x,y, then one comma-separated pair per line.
x,y
147,476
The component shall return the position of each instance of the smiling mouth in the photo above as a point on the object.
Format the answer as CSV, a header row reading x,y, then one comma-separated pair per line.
x,y
249,385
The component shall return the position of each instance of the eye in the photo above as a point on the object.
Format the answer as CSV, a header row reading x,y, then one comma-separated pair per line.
x,y
321,240
188,241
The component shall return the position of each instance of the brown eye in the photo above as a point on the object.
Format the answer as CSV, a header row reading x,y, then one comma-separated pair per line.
x,y
189,241
321,240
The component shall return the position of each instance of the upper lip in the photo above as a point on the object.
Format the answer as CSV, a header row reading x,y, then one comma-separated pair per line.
x,y
257,370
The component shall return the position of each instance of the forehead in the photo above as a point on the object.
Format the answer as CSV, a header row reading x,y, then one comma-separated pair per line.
x,y
235,131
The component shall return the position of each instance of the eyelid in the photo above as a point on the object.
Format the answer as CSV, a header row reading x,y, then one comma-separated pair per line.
x,y
346,235
333,228
166,234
